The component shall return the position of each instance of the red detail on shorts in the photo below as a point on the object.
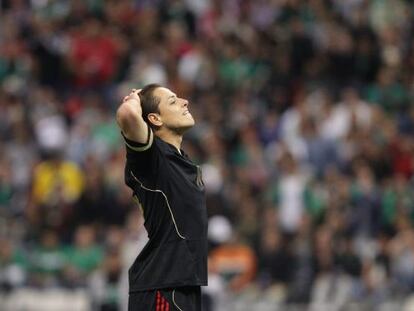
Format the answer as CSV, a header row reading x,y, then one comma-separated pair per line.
x,y
157,305
161,303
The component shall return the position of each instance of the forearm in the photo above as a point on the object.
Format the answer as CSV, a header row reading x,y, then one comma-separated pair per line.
x,y
129,118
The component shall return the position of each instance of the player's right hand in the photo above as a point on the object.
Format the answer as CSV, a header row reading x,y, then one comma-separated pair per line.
x,y
133,96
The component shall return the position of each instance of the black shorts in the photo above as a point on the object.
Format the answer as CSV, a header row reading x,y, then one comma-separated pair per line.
x,y
166,299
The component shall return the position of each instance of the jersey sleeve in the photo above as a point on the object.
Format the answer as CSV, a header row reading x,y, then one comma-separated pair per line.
x,y
142,158
136,147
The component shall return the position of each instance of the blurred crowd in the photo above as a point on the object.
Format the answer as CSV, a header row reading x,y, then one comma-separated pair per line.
x,y
305,134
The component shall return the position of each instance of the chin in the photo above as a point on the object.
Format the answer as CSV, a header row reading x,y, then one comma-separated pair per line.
x,y
188,125
189,121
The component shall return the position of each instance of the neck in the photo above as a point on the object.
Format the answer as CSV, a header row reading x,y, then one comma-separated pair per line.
x,y
170,137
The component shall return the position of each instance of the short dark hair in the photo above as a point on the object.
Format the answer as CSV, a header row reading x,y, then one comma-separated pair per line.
x,y
149,102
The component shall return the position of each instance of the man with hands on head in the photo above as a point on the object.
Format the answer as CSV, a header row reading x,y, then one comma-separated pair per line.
x,y
168,186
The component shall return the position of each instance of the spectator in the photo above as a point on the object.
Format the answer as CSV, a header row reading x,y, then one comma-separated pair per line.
x,y
47,260
235,263
105,283
84,257
13,266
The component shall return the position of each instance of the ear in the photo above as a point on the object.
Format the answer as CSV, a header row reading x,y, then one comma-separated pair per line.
x,y
155,119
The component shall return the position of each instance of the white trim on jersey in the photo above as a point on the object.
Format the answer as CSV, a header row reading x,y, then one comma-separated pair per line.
x,y
166,200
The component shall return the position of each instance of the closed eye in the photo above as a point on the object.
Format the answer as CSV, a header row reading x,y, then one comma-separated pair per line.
x,y
173,99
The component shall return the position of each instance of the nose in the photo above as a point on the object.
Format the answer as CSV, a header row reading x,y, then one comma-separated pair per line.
x,y
185,103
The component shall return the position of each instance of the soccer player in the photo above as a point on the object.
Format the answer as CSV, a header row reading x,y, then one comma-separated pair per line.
x,y
169,271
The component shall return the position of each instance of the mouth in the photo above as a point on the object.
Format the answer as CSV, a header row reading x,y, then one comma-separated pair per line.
x,y
186,112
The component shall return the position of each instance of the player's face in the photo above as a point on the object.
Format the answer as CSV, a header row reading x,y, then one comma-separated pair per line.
x,y
174,111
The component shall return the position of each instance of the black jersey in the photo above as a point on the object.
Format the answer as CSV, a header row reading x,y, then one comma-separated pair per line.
x,y
170,190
